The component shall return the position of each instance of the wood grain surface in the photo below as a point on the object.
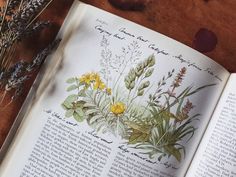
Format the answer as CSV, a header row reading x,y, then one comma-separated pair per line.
x,y
180,20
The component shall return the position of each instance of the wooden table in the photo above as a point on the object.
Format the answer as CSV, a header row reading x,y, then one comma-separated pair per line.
x,y
180,20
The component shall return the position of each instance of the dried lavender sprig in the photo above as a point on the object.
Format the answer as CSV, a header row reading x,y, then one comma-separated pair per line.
x,y
4,16
16,95
13,5
5,41
33,7
22,68
17,70
13,73
3,78
15,83
22,19
15,77
37,61
38,26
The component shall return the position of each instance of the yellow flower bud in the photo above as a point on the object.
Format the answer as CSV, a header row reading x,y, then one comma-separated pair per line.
x,y
118,108
108,90
99,85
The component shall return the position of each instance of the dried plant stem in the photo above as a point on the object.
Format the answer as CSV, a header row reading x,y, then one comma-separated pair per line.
x,y
11,53
3,56
39,14
21,3
5,50
7,104
169,97
4,15
122,72
3,96
6,56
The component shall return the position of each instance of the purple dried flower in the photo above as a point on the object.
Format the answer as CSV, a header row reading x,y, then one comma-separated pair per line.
x,y
36,27
12,6
18,92
185,111
17,69
179,78
15,82
38,60
187,108
22,18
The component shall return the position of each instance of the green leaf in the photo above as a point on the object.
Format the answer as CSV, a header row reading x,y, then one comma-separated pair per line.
x,y
168,115
79,111
95,118
71,98
82,93
200,88
131,74
162,114
154,137
72,87
71,80
140,92
138,136
149,72
78,117
89,105
66,105
179,106
69,113
80,104
151,61
140,133
91,111
132,85
120,128
173,151
127,82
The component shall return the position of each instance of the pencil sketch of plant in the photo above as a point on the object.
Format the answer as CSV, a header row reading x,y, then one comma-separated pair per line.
x,y
118,100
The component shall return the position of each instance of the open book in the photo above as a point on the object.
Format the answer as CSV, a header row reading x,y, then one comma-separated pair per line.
x,y
117,99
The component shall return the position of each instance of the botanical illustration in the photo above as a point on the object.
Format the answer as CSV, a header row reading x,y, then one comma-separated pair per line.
x,y
154,118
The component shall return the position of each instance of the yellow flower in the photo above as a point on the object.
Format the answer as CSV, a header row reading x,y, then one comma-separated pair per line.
x,y
108,90
95,77
86,78
99,85
118,108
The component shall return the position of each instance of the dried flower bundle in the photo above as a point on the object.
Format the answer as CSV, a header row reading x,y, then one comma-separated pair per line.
x,y
16,75
18,20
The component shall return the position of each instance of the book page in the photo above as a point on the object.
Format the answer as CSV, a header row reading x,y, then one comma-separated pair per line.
x,y
124,101
216,155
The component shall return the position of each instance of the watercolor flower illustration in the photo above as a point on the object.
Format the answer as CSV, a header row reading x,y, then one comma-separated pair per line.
x,y
118,108
117,99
